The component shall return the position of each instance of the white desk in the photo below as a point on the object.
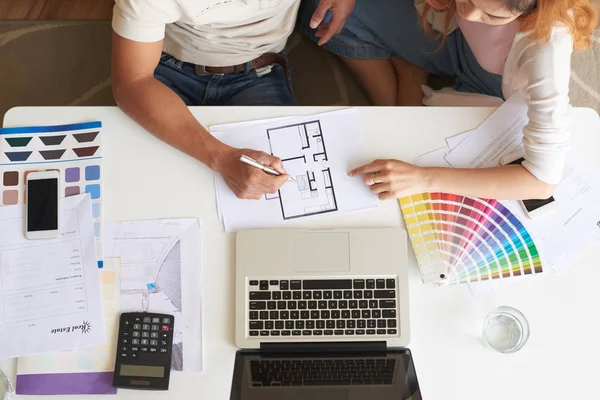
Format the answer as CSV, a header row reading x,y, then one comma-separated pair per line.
x,y
145,179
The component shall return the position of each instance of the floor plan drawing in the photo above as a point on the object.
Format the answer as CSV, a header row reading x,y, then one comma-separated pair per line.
x,y
302,150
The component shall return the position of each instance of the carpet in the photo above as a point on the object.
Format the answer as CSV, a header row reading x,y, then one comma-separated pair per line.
x,y
68,64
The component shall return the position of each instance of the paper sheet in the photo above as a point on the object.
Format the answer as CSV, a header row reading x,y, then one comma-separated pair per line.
x,y
317,152
499,135
433,159
454,141
574,226
87,370
73,150
50,297
160,272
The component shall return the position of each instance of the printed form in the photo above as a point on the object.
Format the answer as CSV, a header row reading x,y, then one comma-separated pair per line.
x,y
49,289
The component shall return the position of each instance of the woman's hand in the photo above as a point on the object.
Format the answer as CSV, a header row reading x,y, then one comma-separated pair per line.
x,y
393,179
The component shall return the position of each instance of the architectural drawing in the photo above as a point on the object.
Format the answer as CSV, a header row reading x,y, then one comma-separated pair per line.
x,y
152,282
302,150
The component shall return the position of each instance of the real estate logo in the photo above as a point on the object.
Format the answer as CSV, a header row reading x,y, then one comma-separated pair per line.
x,y
85,327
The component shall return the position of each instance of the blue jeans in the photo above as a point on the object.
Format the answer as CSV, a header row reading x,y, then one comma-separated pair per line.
x,y
380,29
244,89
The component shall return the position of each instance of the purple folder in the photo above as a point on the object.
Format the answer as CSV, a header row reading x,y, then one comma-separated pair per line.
x,y
77,383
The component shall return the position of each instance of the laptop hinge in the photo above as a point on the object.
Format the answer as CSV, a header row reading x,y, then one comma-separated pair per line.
x,y
324,347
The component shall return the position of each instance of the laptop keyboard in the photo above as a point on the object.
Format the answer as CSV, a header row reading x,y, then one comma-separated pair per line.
x,y
322,307
322,372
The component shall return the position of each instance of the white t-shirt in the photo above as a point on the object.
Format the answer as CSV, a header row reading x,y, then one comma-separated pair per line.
x,y
215,33
541,74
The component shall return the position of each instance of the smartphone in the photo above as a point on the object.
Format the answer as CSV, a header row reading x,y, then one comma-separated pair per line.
x,y
43,211
538,207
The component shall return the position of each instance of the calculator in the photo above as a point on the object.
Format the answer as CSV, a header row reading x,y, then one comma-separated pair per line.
x,y
144,351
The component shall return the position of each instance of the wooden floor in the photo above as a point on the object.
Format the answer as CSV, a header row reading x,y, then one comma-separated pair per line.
x,y
56,9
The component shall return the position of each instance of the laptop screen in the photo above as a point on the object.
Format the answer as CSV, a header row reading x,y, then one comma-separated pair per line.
x,y
387,376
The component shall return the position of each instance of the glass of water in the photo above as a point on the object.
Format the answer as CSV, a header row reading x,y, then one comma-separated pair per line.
x,y
506,330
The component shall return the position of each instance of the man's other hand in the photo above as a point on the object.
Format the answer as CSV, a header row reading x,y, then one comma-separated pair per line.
x,y
341,10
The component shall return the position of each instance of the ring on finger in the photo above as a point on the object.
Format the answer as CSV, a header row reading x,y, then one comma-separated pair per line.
x,y
373,177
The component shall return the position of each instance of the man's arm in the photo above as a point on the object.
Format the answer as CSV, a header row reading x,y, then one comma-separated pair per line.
x,y
161,112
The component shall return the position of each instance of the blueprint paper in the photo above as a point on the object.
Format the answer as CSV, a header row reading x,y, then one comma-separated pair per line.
x,y
87,370
50,290
317,152
160,272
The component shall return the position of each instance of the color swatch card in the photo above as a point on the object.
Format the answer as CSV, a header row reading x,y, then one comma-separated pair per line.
x,y
460,239
87,370
74,150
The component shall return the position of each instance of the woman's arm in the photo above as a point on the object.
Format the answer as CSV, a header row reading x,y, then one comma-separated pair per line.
x,y
392,179
541,73
511,182
545,70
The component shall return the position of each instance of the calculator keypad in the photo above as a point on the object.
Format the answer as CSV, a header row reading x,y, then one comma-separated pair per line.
x,y
150,334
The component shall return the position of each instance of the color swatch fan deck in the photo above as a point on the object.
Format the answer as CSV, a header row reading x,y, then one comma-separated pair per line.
x,y
73,150
460,239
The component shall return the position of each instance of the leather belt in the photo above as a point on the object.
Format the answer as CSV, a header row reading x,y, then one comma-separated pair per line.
x,y
260,62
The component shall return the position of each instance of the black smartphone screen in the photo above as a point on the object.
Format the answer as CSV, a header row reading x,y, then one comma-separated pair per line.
x,y
532,205
42,205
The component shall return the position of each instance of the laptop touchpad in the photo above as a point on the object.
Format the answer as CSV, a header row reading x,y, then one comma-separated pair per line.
x,y
322,252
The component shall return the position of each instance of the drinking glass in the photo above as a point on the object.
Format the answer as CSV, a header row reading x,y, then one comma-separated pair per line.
x,y
506,330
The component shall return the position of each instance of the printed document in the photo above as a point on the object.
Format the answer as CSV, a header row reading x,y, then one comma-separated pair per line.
x,y
317,152
160,272
49,289
87,370
499,135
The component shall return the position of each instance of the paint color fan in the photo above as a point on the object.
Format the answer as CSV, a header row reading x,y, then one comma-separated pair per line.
x,y
461,239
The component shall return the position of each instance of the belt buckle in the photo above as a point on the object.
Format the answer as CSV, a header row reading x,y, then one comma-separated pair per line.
x,y
201,71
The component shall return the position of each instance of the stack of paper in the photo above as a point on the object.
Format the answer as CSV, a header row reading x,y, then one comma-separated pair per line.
x,y
160,272
561,235
87,370
50,290
317,152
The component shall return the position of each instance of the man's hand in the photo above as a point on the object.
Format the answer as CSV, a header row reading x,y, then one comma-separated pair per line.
x,y
341,10
393,179
248,182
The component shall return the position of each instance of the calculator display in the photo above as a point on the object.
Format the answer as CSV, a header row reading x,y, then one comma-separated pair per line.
x,y
142,371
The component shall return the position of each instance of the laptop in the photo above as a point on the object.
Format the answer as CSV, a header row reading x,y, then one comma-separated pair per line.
x,y
323,314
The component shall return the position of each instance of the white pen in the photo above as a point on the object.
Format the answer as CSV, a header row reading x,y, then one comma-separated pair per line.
x,y
253,163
